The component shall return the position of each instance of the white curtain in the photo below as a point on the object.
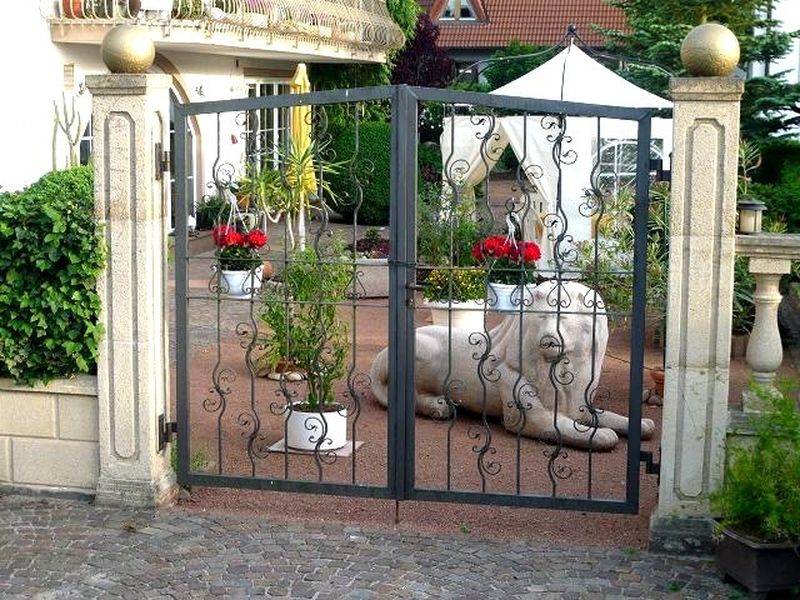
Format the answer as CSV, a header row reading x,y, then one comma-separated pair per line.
x,y
528,139
471,147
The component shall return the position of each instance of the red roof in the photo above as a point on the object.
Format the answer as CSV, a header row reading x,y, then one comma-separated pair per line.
x,y
536,22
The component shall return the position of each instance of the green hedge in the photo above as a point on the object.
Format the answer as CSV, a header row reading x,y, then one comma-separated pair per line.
x,y
51,254
370,166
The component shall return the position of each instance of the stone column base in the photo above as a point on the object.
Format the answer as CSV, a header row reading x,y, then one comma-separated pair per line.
x,y
135,492
681,535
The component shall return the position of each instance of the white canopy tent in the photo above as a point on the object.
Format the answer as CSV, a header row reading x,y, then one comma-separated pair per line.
x,y
471,145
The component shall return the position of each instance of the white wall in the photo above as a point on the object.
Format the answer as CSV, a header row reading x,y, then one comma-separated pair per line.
x,y
34,81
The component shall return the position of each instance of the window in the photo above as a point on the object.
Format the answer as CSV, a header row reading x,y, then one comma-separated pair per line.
x,y
618,162
190,160
267,128
85,148
458,10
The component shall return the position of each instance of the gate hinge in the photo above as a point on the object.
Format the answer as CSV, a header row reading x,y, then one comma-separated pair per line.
x,y
163,160
650,466
166,429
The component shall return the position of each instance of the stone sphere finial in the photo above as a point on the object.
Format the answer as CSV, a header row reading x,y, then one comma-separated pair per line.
x,y
710,50
128,49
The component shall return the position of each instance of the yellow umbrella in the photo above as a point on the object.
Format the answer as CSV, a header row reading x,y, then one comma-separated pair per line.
x,y
301,142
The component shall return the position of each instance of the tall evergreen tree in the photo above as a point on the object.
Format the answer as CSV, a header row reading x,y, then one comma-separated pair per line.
x,y
656,28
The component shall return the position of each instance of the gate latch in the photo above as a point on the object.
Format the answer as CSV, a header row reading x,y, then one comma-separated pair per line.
x,y
163,160
166,429
650,466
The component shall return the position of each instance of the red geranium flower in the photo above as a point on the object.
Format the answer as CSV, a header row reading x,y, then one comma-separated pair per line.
x,y
508,260
256,238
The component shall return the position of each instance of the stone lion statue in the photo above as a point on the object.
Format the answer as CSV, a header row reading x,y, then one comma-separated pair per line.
x,y
559,357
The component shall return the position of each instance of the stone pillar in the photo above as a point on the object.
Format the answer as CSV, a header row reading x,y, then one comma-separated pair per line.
x,y
702,225
131,114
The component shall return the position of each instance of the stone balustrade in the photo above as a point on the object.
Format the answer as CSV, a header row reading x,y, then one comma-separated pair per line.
x,y
770,256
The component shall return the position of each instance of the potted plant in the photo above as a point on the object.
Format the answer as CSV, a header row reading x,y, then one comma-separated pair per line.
x,y
510,265
456,297
759,502
306,332
240,265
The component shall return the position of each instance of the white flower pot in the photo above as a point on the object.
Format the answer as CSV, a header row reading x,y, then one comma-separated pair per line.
x,y
241,284
467,315
305,429
507,297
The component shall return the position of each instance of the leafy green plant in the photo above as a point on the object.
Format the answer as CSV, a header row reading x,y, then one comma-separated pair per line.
x,y
363,181
456,285
212,210
760,496
305,330
446,231
187,9
51,253
744,286
608,266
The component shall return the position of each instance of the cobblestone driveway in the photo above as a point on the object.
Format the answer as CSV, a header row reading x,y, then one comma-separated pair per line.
x,y
70,549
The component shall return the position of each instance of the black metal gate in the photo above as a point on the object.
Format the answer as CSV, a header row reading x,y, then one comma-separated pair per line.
x,y
516,409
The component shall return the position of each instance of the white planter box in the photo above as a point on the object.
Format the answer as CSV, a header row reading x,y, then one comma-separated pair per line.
x,y
466,315
241,284
49,436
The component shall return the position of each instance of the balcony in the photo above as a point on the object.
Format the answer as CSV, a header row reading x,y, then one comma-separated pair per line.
x,y
310,30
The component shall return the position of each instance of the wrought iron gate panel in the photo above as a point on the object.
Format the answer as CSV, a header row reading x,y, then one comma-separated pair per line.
x,y
462,456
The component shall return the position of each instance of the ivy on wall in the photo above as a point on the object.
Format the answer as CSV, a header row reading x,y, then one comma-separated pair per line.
x,y
51,254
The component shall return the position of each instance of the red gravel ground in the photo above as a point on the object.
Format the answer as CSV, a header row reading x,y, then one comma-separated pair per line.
x,y
369,461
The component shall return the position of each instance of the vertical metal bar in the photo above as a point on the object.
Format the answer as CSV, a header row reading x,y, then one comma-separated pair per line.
x,y
639,302
396,389
409,123
402,219
181,296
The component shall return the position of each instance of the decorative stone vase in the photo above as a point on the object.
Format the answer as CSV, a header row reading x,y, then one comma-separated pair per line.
x,y
507,297
241,284
72,9
304,429
467,315
760,567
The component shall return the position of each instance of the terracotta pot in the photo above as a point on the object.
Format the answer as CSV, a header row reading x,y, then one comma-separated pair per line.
x,y
72,9
658,380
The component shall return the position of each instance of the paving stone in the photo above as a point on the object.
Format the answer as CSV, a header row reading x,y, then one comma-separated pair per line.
x,y
71,549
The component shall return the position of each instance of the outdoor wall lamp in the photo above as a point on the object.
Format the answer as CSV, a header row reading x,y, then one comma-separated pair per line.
x,y
750,216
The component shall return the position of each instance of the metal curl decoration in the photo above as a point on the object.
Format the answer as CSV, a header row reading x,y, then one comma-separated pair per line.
x,y
592,205
452,385
549,341
248,422
562,376
455,171
558,297
215,284
261,446
555,469
481,339
594,301
518,420
244,333
355,284
570,156
221,382
567,251
477,433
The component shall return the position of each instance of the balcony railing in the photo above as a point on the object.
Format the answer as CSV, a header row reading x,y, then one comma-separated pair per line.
x,y
363,25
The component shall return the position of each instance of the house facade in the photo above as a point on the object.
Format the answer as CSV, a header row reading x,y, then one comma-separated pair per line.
x,y
472,30
213,49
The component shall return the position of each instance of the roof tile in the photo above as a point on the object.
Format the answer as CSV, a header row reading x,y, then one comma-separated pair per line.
x,y
536,22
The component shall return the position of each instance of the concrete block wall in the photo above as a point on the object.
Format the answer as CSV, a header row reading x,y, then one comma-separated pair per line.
x,y
49,436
